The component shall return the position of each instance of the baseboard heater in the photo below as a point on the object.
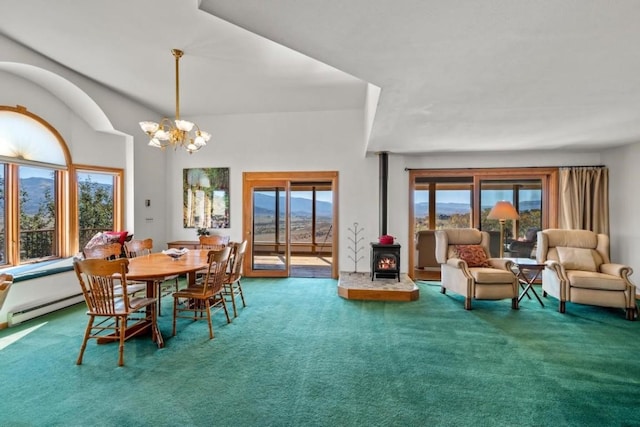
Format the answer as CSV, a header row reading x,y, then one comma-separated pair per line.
x,y
17,317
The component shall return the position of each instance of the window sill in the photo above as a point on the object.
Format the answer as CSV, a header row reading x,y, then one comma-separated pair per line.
x,y
41,269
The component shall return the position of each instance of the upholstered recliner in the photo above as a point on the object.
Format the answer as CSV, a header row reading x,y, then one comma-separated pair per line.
x,y
468,270
578,270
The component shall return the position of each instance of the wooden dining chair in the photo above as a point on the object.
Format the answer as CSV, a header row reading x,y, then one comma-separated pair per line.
x,y
110,251
6,280
206,297
232,287
106,251
211,242
113,315
214,241
165,285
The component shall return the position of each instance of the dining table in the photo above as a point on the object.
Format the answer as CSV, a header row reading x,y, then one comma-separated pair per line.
x,y
154,266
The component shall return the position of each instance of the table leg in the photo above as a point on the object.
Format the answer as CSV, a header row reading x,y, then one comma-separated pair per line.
x,y
524,285
133,330
191,278
151,293
527,282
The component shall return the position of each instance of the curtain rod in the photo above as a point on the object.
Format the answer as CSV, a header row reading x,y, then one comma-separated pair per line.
x,y
519,167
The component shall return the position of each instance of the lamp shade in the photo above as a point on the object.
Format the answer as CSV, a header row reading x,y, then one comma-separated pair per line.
x,y
503,210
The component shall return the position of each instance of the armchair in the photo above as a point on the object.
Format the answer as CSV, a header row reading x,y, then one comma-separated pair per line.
x,y
578,270
468,270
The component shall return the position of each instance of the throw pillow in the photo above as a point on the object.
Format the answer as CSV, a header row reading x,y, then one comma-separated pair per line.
x,y
97,239
576,258
474,255
117,236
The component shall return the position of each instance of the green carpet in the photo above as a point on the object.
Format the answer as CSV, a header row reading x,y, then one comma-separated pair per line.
x,y
299,355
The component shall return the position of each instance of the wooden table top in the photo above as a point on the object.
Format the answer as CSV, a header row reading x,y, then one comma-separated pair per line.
x,y
161,265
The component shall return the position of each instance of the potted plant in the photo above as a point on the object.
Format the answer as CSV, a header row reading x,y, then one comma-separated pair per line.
x,y
202,231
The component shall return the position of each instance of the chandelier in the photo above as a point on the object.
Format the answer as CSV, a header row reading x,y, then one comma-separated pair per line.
x,y
176,133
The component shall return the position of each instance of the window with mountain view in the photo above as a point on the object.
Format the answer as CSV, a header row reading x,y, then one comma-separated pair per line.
x,y
461,198
524,195
443,203
95,204
37,192
38,207
311,216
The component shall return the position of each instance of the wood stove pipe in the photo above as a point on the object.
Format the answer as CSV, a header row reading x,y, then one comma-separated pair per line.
x,y
383,176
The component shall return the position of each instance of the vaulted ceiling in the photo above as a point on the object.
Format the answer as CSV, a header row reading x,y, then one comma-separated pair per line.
x,y
455,75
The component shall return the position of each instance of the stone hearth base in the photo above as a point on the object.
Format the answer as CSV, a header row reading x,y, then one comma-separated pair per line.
x,y
360,286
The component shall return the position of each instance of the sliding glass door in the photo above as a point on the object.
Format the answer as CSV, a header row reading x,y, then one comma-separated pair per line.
x,y
269,235
290,224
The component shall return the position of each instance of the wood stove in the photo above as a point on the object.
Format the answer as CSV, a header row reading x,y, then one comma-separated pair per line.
x,y
385,261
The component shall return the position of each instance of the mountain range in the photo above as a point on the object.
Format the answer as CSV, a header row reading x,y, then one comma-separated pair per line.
x,y
265,204
35,188
421,209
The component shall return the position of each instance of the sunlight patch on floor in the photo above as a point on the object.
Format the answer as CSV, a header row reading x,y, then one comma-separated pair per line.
x,y
10,339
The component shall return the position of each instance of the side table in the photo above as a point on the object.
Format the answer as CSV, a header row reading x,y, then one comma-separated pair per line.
x,y
528,271
189,244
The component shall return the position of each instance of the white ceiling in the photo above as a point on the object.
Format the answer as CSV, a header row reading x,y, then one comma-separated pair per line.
x,y
455,75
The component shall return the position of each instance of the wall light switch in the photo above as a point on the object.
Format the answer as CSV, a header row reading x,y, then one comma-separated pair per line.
x,y
147,202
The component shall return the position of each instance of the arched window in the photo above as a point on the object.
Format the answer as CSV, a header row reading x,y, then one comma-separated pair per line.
x,y
24,138
39,189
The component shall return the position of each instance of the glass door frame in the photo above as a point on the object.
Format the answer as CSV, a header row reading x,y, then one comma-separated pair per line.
x,y
252,180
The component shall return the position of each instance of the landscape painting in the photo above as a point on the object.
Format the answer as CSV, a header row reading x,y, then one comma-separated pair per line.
x,y
206,198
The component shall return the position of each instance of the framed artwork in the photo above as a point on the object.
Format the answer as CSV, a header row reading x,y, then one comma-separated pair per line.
x,y
206,198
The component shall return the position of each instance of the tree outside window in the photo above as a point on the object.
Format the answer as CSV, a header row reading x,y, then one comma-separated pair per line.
x,y
95,204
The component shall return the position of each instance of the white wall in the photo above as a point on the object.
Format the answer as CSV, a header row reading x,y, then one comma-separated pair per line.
x,y
624,205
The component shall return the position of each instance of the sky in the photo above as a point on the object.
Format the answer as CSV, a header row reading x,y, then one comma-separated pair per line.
x,y
490,198
32,172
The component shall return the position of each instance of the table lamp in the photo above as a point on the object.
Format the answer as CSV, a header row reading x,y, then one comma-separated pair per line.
x,y
502,211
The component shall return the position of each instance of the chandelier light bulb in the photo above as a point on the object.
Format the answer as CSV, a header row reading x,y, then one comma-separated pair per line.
x,y
205,135
184,125
149,127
